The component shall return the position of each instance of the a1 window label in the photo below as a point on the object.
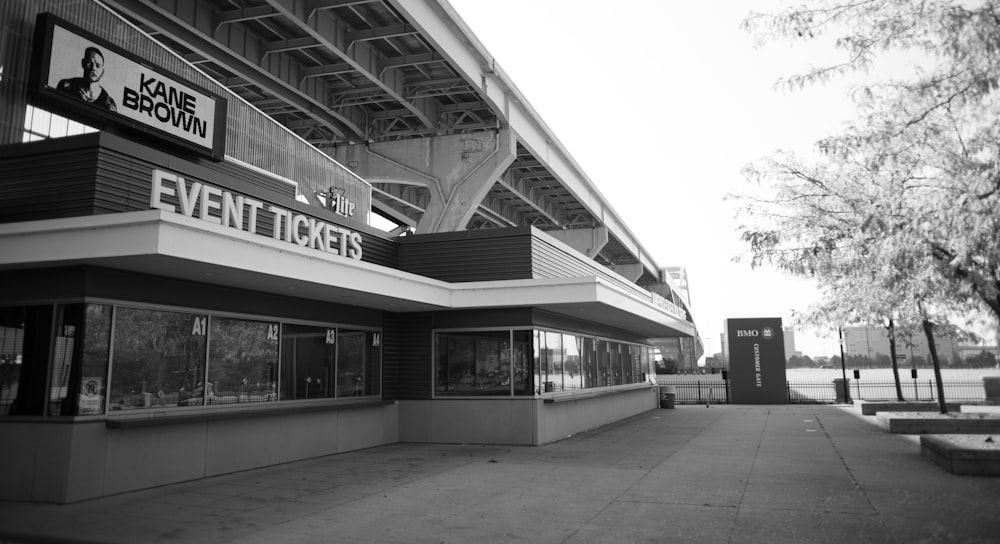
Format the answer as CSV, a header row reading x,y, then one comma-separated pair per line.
x,y
200,326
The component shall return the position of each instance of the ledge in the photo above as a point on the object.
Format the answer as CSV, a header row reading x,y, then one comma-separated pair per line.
x,y
930,423
147,419
973,454
869,408
585,394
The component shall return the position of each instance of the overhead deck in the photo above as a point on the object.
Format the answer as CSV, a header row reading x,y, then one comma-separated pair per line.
x,y
343,72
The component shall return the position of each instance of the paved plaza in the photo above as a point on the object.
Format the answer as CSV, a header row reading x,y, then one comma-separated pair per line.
x,y
719,474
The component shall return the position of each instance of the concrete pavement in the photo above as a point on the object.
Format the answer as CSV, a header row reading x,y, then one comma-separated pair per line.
x,y
725,474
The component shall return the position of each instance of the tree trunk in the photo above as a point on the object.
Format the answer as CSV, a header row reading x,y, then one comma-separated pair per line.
x,y
929,333
892,354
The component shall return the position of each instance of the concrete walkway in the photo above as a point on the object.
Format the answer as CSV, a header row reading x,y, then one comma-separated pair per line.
x,y
726,474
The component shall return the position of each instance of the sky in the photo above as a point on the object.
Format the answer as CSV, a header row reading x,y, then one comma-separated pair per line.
x,y
662,104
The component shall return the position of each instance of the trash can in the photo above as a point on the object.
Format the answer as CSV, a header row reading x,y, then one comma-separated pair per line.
x,y
668,395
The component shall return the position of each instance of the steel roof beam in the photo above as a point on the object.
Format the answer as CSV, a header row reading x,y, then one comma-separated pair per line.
x,y
279,46
243,15
541,207
393,31
182,26
333,33
411,60
326,70
314,5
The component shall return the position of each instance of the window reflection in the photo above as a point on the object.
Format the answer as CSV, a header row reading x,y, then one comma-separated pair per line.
x,y
12,331
95,360
242,361
522,362
542,362
159,359
474,363
308,360
358,354
554,356
572,373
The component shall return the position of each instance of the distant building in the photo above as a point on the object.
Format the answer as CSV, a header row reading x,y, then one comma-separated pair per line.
x,y
869,346
789,342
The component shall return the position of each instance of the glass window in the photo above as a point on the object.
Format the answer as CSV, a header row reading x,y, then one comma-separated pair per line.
x,y
242,361
159,359
603,363
554,361
628,364
79,361
646,363
40,124
614,349
63,347
522,362
359,363
572,367
25,336
96,356
308,361
589,355
473,363
538,360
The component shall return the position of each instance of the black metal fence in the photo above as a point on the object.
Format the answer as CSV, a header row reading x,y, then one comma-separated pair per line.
x,y
919,390
716,391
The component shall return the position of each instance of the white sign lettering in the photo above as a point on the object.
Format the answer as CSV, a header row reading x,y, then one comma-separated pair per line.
x,y
241,212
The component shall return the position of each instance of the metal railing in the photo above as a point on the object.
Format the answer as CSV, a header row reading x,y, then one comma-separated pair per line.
x,y
700,391
716,391
918,390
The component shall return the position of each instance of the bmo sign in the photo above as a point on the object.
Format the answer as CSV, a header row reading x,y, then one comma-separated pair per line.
x,y
756,361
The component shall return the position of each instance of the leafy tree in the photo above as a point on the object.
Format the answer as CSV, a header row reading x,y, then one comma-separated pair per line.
x,y
907,199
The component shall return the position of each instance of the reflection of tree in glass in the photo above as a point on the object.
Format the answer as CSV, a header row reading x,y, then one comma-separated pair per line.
x,y
96,345
242,360
461,363
350,363
156,353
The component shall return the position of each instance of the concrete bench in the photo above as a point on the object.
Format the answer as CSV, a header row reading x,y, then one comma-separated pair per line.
x,y
930,423
870,408
973,454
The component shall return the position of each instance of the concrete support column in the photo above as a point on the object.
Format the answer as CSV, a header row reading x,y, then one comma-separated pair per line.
x,y
458,170
590,242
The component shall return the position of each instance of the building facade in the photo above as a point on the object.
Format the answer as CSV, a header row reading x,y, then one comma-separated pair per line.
x,y
190,289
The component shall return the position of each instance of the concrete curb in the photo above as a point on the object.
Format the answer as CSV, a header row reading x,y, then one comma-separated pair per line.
x,y
952,423
963,454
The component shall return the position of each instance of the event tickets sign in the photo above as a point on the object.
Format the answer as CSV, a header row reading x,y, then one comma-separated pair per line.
x,y
93,80
175,194
756,361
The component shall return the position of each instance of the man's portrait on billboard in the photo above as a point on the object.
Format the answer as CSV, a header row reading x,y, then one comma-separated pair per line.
x,y
88,87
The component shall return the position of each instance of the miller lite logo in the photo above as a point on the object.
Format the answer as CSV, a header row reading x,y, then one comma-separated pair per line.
x,y
337,203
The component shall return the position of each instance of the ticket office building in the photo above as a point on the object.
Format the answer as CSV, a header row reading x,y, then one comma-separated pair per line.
x,y
174,309
144,340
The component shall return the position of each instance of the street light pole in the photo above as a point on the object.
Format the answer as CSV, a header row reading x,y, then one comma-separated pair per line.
x,y
843,367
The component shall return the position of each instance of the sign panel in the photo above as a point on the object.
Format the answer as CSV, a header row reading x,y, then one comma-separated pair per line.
x,y
175,194
91,79
757,361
